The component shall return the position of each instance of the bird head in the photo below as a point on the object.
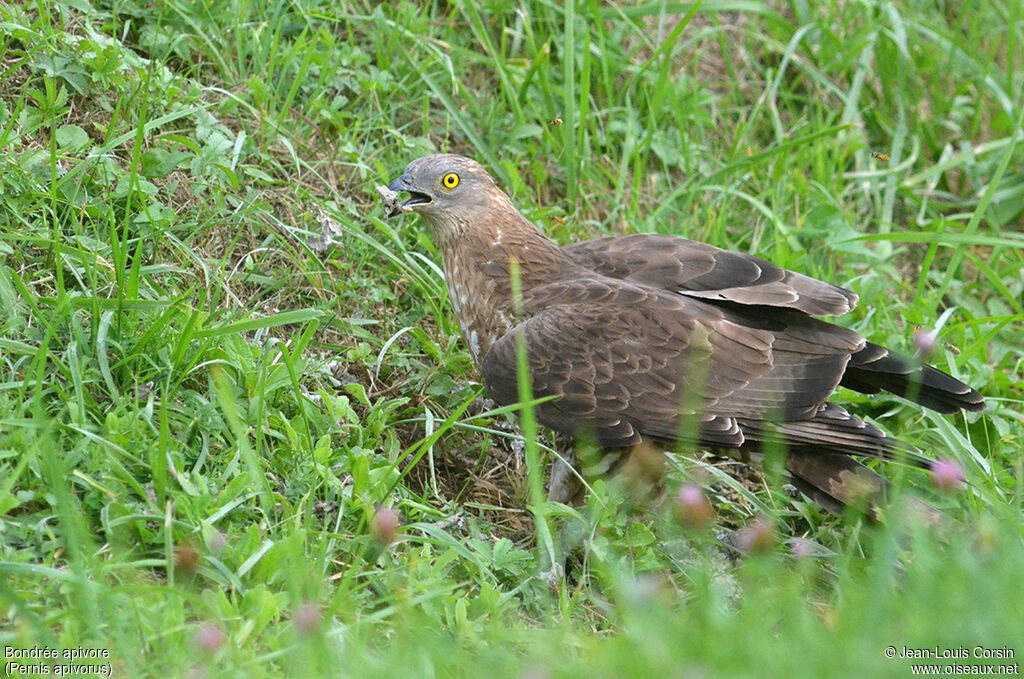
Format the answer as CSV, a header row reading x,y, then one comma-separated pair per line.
x,y
447,190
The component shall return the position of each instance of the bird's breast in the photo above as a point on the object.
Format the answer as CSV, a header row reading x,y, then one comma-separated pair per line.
x,y
478,272
481,305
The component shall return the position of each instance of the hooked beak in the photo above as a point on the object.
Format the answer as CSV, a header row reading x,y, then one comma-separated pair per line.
x,y
416,198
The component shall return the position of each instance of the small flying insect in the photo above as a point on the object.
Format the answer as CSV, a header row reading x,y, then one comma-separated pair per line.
x,y
880,156
556,121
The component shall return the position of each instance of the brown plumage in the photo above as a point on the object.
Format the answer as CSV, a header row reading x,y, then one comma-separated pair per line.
x,y
633,333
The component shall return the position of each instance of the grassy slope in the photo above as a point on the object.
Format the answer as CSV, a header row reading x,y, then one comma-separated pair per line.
x,y
199,411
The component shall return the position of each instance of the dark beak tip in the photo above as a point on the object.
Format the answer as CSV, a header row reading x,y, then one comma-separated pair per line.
x,y
403,183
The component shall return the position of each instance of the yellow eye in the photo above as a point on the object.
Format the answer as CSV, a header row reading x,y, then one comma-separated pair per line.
x,y
450,180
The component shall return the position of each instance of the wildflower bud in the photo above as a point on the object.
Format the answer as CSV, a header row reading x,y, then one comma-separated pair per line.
x,y
186,557
217,542
210,637
801,548
947,475
307,619
384,525
926,341
692,508
535,673
757,538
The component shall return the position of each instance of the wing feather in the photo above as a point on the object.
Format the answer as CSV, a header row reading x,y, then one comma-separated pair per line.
x,y
704,271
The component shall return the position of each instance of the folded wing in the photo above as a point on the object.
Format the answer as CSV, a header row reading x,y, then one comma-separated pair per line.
x,y
700,270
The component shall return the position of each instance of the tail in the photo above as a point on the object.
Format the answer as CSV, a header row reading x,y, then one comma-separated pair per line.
x,y
874,368
832,431
819,462
836,482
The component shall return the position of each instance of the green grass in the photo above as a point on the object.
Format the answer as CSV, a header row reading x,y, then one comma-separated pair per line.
x,y
201,410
